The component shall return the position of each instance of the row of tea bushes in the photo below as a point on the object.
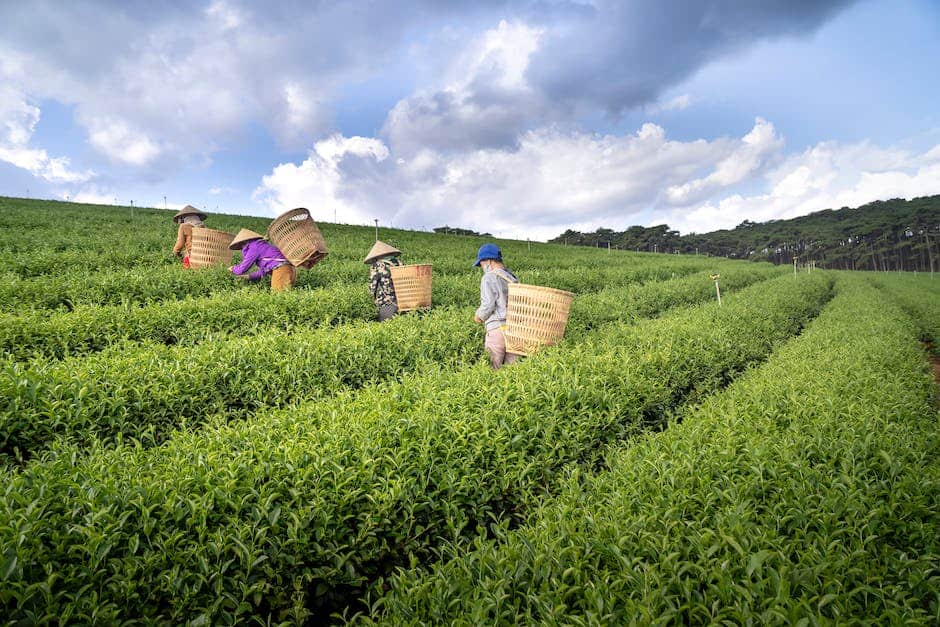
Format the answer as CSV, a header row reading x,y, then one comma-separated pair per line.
x,y
159,284
300,510
133,287
190,320
649,299
919,295
143,392
41,237
807,493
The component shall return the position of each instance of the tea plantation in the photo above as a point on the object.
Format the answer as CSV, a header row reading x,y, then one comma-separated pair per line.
x,y
183,447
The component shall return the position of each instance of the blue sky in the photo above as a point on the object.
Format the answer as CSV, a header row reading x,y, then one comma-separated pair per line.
x,y
521,118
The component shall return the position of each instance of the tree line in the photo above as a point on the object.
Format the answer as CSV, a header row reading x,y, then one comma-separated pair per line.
x,y
883,235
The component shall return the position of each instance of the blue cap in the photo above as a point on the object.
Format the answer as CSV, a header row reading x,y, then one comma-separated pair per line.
x,y
488,251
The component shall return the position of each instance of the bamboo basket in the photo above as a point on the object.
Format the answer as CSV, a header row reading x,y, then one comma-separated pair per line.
x,y
535,317
412,286
297,236
210,248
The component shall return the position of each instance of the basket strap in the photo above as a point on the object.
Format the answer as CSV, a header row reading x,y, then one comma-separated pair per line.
x,y
503,275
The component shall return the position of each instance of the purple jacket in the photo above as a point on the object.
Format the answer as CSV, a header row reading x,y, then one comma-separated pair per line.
x,y
260,252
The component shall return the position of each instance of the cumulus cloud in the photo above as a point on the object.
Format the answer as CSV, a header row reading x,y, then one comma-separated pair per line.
x,y
617,55
551,180
554,180
679,103
745,159
91,194
482,100
119,142
159,86
828,175
318,182
18,121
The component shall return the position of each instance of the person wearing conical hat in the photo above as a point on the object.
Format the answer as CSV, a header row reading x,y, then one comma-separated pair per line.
x,y
188,218
382,258
269,259
494,296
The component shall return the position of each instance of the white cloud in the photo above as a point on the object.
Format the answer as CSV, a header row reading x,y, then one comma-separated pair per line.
x,y
747,157
225,15
482,98
679,103
91,194
316,183
18,120
551,181
828,175
119,142
554,180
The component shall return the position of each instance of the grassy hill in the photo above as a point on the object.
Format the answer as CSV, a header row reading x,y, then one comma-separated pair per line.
x,y
882,235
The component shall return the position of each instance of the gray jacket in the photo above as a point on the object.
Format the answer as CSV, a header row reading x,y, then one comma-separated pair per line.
x,y
494,293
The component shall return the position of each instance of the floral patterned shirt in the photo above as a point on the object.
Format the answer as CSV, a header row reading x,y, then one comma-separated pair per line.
x,y
380,281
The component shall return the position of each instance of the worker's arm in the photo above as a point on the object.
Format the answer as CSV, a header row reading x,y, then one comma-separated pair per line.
x,y
250,255
180,245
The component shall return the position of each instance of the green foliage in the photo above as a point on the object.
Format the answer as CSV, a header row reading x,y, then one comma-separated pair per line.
x,y
184,448
882,235
298,510
144,392
807,493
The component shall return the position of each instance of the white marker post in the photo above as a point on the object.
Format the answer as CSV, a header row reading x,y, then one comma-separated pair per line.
x,y
717,289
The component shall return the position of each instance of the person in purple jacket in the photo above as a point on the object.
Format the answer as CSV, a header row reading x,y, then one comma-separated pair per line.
x,y
270,260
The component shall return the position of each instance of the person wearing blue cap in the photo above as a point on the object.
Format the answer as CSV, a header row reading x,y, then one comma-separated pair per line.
x,y
494,294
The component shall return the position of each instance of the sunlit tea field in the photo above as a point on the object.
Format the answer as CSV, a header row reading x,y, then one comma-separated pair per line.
x,y
183,447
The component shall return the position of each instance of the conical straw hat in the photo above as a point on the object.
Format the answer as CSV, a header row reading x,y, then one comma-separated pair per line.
x,y
188,210
242,237
380,249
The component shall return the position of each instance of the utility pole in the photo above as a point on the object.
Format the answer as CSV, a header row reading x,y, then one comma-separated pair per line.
x,y
164,201
376,229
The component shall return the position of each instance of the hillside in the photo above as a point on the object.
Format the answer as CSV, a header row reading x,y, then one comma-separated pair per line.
x,y
185,447
882,235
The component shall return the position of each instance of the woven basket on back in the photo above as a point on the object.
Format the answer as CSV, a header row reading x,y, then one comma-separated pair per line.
x,y
297,236
210,248
412,286
535,317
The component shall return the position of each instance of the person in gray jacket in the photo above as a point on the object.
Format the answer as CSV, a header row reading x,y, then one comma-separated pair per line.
x,y
494,293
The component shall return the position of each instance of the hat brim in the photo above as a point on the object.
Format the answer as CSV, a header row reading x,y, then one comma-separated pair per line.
x,y
482,259
179,218
374,257
241,244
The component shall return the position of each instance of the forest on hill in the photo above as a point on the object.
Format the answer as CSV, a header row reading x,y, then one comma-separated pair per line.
x,y
894,234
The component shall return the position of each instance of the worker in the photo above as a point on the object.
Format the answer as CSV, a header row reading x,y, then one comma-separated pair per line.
x,y
188,218
383,258
494,295
268,258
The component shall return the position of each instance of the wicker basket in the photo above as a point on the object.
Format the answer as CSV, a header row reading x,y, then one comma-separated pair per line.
x,y
412,286
210,248
535,317
297,236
